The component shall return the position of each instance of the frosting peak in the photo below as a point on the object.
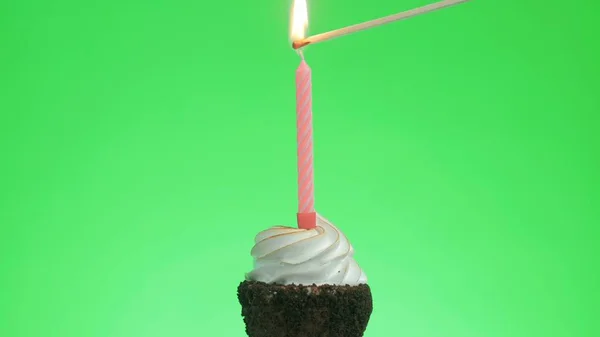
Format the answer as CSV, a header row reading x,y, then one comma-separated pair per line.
x,y
321,255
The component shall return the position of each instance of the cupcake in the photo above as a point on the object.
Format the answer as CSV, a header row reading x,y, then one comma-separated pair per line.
x,y
305,283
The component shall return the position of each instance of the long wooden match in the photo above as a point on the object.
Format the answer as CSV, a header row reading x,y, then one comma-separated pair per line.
x,y
374,23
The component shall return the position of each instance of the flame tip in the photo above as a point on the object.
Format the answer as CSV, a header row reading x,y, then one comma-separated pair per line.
x,y
299,19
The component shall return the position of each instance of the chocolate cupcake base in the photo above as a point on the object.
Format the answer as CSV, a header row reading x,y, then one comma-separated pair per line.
x,y
272,310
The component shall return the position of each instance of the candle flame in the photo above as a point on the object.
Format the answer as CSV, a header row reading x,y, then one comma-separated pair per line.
x,y
299,20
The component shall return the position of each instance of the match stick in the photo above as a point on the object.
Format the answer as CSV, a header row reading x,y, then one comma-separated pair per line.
x,y
374,23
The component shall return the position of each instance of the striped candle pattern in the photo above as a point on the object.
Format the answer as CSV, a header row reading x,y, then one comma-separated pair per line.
x,y
306,200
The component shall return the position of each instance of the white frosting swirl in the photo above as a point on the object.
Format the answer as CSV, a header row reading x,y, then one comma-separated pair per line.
x,y
321,255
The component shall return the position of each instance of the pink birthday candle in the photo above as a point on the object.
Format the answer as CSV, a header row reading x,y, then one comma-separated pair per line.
x,y
306,190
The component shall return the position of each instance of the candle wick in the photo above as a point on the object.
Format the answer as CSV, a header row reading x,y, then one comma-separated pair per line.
x,y
300,53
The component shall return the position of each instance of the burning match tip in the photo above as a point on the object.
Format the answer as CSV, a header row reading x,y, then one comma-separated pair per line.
x,y
299,44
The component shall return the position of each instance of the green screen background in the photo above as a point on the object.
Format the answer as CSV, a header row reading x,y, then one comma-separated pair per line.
x,y
144,143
